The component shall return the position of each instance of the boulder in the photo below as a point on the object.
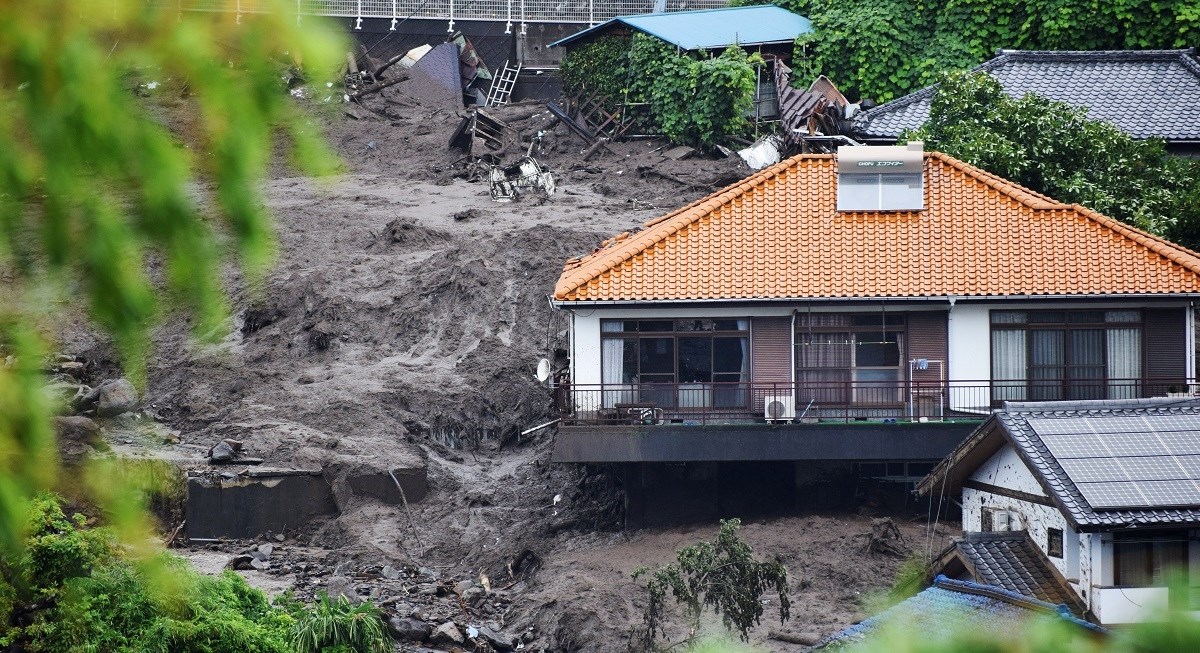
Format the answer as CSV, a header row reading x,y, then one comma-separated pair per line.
x,y
406,629
447,633
499,640
340,586
221,453
76,437
115,397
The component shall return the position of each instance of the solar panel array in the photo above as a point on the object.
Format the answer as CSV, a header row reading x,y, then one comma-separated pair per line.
x,y
1127,461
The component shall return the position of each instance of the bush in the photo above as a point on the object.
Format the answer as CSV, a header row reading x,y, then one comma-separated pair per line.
x,y
337,625
75,591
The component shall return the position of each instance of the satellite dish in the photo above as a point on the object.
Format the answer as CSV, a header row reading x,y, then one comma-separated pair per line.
x,y
543,370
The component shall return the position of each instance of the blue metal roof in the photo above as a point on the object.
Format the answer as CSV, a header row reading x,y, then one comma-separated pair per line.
x,y
711,29
952,606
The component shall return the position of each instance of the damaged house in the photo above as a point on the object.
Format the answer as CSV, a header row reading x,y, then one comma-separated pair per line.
x,y
1145,93
852,316
763,29
1099,497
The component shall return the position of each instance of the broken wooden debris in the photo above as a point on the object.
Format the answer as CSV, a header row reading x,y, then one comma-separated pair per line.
x,y
561,114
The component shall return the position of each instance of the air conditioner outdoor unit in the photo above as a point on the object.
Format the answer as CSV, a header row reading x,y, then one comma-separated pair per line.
x,y
1008,521
779,407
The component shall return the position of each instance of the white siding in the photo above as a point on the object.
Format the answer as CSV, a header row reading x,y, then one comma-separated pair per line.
x,y
1006,469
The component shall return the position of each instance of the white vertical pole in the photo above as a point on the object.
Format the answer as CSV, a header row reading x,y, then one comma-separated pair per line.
x,y
450,27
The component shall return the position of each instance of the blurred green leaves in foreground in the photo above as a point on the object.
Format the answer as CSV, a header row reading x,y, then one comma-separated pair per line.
x,y
100,193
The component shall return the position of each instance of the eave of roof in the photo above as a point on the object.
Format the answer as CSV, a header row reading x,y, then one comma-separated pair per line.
x,y
627,248
745,26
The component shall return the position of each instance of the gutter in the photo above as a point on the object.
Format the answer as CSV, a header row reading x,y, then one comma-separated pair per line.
x,y
949,299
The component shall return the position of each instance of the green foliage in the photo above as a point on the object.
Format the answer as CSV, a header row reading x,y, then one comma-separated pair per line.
x,y
601,67
694,99
95,189
341,626
723,576
75,589
882,49
1054,149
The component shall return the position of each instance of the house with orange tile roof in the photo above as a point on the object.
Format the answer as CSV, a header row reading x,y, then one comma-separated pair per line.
x,y
870,306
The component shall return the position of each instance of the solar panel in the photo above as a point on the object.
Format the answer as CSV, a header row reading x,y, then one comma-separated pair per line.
x,y
1123,461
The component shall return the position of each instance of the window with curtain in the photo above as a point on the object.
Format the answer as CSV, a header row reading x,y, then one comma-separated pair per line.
x,y
850,357
1055,355
1146,559
691,363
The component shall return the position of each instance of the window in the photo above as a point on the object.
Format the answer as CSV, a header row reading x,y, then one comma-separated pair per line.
x,y
693,363
1054,542
880,192
1054,355
1146,559
854,357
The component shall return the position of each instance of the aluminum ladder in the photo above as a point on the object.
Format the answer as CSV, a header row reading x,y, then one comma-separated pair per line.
x,y
502,86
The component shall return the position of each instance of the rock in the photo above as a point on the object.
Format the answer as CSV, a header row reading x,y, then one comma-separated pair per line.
x,y
427,589
115,397
389,572
340,586
240,562
406,629
499,640
76,437
447,633
279,537
463,586
261,565
221,453
474,596
258,555
266,549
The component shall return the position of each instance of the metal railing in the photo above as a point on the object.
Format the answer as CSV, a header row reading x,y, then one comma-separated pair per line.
x,y
511,11
838,401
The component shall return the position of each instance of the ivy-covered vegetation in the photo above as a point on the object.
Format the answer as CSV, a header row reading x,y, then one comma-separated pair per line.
x,y
883,49
74,589
693,98
1054,149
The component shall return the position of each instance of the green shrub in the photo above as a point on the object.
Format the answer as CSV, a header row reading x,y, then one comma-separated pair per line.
x,y
339,626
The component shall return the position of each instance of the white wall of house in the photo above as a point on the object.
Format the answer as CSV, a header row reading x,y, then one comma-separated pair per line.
x,y
1005,469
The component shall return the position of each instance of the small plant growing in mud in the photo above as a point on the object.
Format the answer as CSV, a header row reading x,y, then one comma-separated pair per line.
x,y
341,626
721,575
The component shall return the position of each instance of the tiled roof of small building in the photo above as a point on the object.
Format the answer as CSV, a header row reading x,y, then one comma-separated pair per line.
x,y
1015,421
1012,561
778,235
951,606
1145,93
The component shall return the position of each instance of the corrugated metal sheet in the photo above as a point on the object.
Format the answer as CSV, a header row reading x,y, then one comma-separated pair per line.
x,y
712,29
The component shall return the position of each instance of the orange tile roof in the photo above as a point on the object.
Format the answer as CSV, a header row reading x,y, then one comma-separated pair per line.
x,y
777,234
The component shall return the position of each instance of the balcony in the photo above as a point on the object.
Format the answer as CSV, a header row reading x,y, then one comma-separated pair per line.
x,y
693,404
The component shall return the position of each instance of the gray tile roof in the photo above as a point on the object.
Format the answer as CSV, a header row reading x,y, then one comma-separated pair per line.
x,y
1146,93
950,607
1012,561
1015,422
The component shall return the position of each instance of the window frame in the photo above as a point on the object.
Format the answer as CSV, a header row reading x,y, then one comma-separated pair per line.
x,y
859,389
675,334
1145,544
1054,542
1066,382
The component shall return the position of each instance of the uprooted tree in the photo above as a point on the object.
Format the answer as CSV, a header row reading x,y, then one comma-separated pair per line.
x,y
721,575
